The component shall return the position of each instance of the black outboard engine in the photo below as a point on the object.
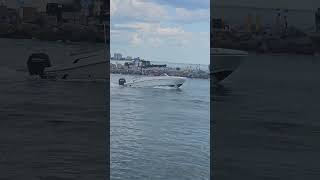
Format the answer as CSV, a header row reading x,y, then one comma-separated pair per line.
x,y
37,62
122,81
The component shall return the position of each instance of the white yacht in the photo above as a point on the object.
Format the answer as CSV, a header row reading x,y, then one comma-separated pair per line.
x,y
89,66
224,62
154,81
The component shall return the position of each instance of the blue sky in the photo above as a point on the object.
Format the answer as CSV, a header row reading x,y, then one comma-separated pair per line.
x,y
162,30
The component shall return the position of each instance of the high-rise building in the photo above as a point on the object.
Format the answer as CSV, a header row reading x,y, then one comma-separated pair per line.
x,y
117,56
40,5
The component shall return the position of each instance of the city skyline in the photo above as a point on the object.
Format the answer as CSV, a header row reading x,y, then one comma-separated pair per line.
x,y
161,30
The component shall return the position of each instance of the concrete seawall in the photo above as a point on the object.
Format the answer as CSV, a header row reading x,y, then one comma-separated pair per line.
x,y
189,73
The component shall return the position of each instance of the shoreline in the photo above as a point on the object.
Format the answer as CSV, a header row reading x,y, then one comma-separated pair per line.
x,y
191,75
62,32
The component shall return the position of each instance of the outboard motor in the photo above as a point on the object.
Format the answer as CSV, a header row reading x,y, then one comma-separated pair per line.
x,y
37,62
122,81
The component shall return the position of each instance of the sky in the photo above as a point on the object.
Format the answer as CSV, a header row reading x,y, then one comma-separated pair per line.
x,y
176,31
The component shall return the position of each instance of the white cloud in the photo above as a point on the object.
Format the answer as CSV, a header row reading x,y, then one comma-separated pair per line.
x,y
155,41
137,26
145,10
169,31
153,34
137,9
142,21
113,7
154,28
136,39
151,28
183,14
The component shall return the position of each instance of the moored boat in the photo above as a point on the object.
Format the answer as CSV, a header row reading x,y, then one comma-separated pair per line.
x,y
224,62
88,67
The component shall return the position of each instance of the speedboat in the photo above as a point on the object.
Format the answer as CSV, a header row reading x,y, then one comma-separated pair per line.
x,y
224,62
88,66
154,81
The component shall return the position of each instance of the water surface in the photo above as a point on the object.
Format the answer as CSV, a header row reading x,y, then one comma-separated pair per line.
x,y
49,129
160,133
266,119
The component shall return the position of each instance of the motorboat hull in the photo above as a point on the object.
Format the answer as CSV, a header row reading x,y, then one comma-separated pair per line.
x,y
157,81
95,70
225,62
89,67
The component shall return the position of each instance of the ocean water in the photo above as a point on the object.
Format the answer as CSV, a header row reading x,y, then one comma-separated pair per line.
x,y
49,129
266,119
160,133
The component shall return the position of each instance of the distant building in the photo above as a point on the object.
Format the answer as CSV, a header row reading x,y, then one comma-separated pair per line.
x,y
72,17
55,9
26,7
29,14
117,56
8,15
136,61
96,9
39,5
145,63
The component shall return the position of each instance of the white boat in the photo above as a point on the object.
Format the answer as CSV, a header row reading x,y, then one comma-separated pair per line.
x,y
84,67
154,81
224,62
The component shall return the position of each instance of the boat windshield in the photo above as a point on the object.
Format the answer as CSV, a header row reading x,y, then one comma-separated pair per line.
x,y
135,78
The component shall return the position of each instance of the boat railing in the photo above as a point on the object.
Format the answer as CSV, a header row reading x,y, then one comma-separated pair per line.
x,y
80,52
86,57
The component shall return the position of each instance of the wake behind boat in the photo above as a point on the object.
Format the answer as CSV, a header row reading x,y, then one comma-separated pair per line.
x,y
154,81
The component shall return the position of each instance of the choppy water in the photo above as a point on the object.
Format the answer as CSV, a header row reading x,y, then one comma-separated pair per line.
x,y
160,133
267,119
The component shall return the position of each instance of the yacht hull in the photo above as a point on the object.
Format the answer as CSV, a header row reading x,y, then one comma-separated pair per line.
x,y
96,70
83,67
225,62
